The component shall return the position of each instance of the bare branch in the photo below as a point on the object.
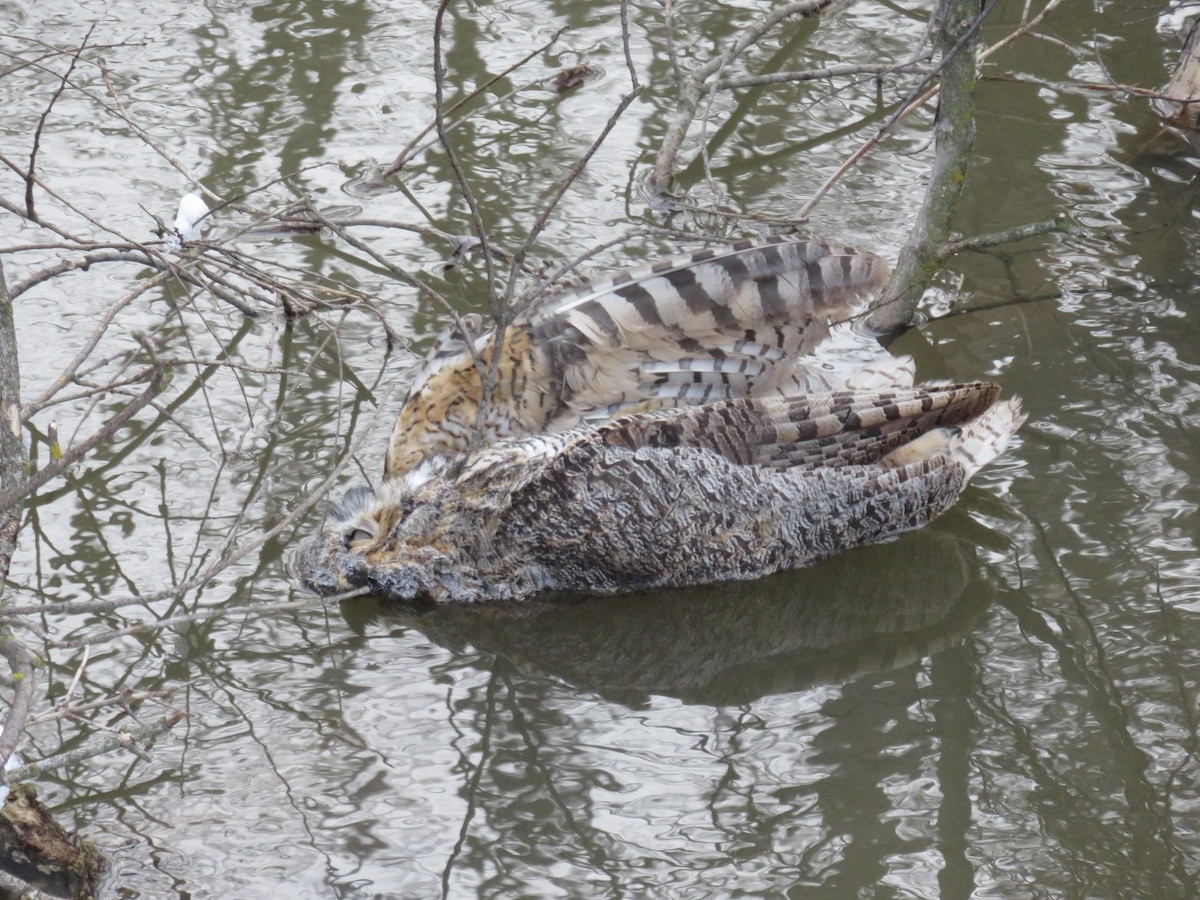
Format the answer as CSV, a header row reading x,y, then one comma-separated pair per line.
x,y
1059,225
634,84
10,495
745,81
37,132
402,274
694,85
549,207
1026,26
225,561
414,147
124,739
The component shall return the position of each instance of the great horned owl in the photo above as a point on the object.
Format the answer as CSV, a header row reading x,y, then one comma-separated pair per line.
x,y
721,323
731,490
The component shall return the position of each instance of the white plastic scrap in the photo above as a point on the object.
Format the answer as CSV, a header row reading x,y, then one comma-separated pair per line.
x,y
188,221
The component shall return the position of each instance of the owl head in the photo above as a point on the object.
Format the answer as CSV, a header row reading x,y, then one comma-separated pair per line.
x,y
395,544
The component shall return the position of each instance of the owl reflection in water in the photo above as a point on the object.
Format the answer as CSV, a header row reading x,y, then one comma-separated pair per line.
x,y
665,426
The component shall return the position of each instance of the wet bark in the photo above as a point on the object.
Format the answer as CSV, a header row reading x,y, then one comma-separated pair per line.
x,y
35,849
11,455
958,39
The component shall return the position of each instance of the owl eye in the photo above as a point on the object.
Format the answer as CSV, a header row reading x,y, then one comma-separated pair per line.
x,y
359,536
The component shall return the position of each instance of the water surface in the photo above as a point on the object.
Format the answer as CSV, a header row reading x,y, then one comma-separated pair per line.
x,y
1002,705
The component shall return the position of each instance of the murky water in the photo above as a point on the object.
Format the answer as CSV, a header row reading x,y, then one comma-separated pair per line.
x,y
1002,705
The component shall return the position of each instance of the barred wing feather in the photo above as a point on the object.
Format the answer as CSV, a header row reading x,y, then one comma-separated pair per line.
x,y
714,325
708,326
833,430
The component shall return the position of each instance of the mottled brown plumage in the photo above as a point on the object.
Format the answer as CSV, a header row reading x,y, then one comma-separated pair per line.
x,y
721,323
731,490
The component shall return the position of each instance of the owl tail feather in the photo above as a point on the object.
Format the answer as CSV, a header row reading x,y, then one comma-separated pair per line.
x,y
973,445
983,439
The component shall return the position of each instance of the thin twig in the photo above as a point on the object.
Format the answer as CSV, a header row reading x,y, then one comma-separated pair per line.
x,y
1059,225
1090,87
37,132
746,81
692,89
634,84
414,147
85,262
460,176
572,176
10,495
66,710
104,744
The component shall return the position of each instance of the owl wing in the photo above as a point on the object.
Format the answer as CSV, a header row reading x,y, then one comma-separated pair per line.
x,y
827,430
721,323
743,488
713,325
890,429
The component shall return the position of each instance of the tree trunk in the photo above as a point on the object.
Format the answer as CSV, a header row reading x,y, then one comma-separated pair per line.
x,y
33,847
958,42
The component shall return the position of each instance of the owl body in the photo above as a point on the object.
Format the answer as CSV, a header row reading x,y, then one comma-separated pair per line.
x,y
722,323
730,490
